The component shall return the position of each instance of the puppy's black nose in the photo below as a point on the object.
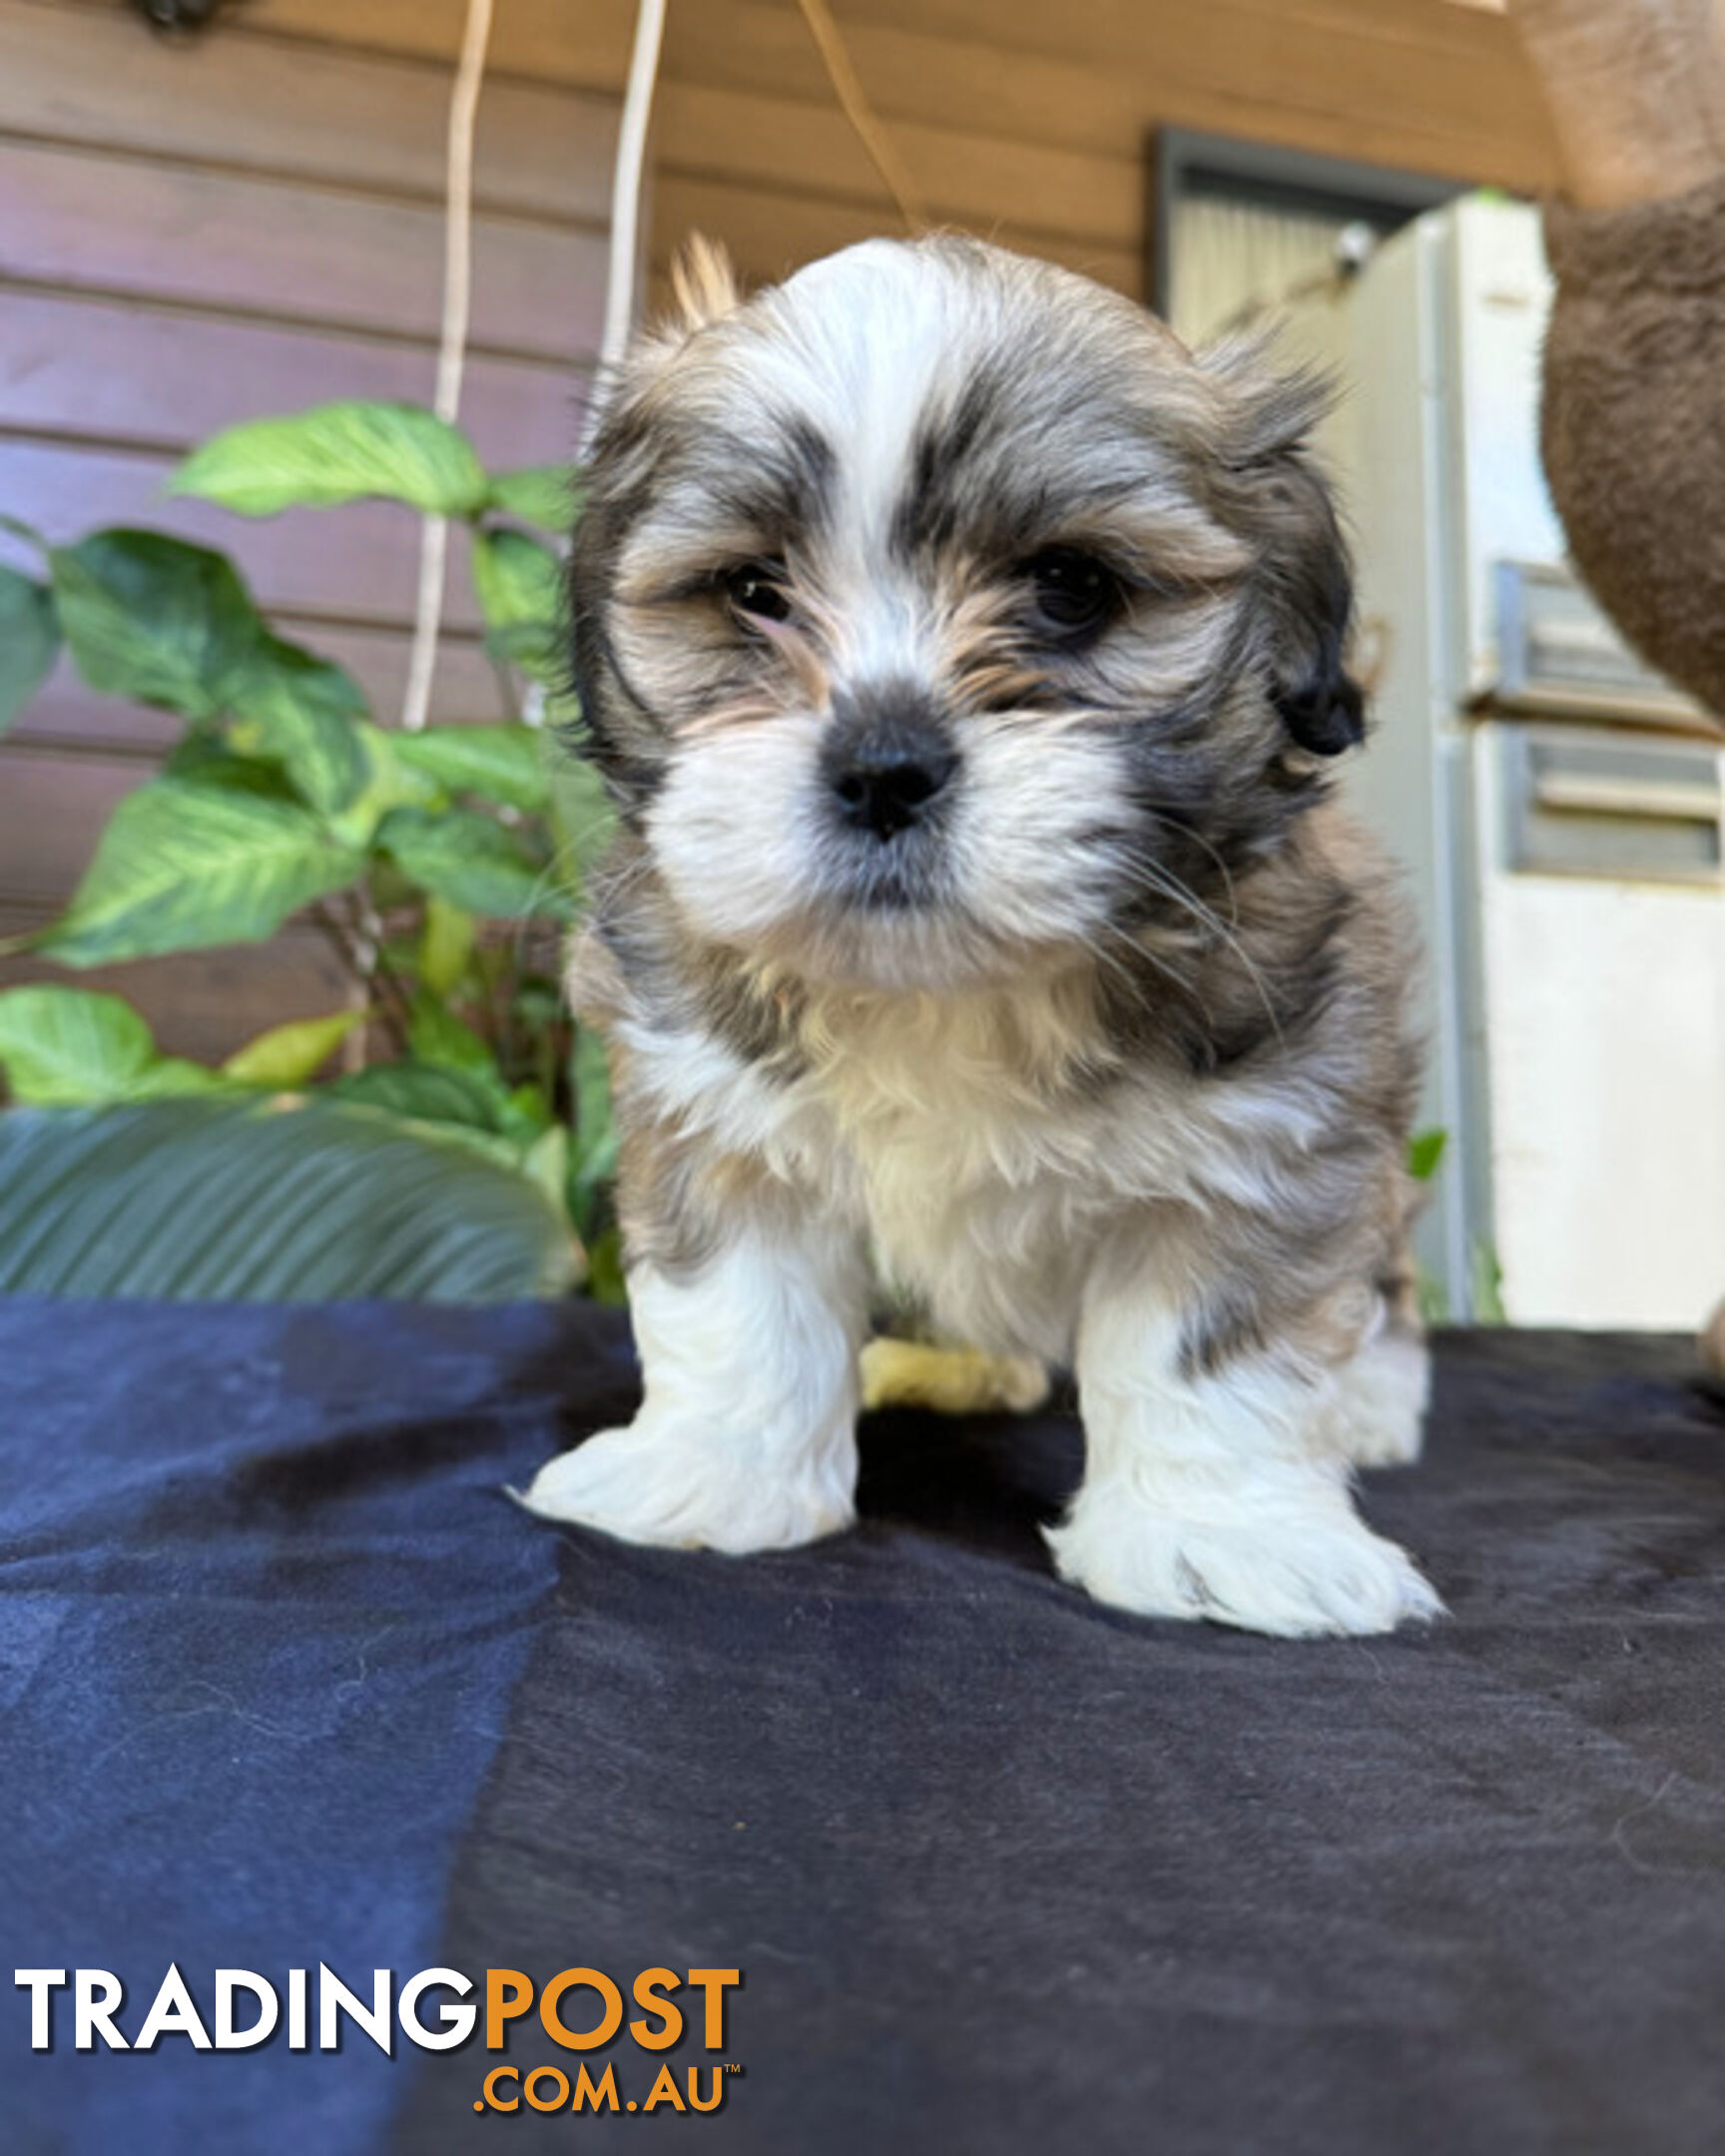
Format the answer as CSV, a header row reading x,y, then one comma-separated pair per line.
x,y
886,794
885,766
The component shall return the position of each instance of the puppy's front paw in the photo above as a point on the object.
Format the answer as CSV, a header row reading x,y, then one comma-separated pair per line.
x,y
1377,1402
1297,1571
661,1481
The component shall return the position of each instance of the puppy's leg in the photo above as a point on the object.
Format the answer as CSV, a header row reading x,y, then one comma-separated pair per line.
x,y
746,1438
1217,1493
1375,1413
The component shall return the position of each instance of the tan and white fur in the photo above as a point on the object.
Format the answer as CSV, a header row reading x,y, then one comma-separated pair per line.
x,y
966,659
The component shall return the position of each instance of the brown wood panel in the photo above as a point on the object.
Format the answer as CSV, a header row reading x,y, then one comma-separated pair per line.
x,y
268,104
812,149
124,370
53,807
1034,131
355,563
946,83
1057,97
581,42
769,232
1206,40
290,252
1115,68
1334,75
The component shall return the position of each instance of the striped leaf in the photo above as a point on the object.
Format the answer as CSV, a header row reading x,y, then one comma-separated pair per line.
x,y
208,1200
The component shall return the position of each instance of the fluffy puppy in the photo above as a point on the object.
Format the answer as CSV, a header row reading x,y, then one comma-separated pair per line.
x,y
966,659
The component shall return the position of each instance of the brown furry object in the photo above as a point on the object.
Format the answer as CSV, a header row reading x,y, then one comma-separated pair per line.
x,y
1633,428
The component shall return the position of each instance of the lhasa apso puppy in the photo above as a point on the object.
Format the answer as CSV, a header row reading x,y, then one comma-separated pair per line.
x,y
966,659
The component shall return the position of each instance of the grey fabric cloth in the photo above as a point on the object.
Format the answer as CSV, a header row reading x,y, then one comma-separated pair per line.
x,y
1008,1871
285,1678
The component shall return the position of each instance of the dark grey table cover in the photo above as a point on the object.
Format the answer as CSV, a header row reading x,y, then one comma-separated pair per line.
x,y
285,1678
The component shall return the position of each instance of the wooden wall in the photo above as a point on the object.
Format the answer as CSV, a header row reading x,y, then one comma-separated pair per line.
x,y
193,234
1030,121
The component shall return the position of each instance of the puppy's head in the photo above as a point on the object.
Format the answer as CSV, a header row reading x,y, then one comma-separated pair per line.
x,y
935,612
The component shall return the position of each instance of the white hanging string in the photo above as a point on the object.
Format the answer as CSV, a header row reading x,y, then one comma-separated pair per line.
x,y
626,178
451,347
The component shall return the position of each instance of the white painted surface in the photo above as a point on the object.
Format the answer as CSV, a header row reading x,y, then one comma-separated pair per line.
x,y
1606,1040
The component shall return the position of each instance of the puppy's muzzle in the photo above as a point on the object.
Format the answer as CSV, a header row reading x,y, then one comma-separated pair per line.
x,y
886,761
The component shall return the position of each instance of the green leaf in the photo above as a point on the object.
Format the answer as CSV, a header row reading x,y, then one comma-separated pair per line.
x,y
185,867
436,1035
528,1111
72,1048
1485,1285
546,1164
593,1159
605,1282
504,763
426,1093
390,784
168,1076
154,619
337,454
26,532
471,860
519,580
304,712
205,759
583,820
548,496
1425,1151
292,1054
62,1045
322,1202
446,946
29,641
535,647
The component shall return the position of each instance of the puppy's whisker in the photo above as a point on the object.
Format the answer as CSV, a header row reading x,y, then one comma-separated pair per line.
x,y
1131,983
1171,888
1187,831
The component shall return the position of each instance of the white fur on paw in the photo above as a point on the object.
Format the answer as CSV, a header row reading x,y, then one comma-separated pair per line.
x,y
690,1490
1375,1413
1294,1571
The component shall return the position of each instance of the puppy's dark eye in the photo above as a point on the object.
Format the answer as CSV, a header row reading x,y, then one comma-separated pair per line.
x,y
1073,594
756,589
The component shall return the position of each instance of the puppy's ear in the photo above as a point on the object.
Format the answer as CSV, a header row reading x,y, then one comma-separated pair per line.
x,y
703,287
1285,508
703,290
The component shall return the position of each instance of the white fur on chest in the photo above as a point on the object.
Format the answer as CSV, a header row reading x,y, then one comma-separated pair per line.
x,y
963,1140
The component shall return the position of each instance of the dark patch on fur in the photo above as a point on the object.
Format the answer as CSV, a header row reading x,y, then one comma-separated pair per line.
x,y
680,984
1305,587
1226,1325
779,485
1220,1001
779,481
939,492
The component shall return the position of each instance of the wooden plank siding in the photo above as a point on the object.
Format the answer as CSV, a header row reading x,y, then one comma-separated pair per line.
x,y
1030,124
195,234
